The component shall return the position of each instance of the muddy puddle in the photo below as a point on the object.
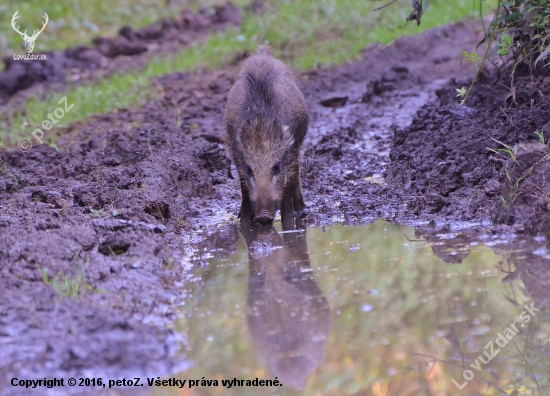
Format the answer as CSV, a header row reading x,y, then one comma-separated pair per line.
x,y
373,309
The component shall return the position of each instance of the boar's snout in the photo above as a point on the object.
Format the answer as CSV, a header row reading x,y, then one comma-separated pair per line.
x,y
265,204
264,217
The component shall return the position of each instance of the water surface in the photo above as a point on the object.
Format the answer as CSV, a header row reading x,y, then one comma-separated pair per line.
x,y
369,310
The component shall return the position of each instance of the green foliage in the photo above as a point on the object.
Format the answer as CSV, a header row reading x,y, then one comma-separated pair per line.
x,y
521,31
504,44
540,135
461,92
471,57
511,152
528,25
3,166
4,171
65,285
69,285
478,63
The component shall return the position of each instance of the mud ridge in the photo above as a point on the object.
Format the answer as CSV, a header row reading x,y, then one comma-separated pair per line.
x,y
449,162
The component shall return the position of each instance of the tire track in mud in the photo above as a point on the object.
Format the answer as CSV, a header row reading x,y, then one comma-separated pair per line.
x,y
356,141
131,199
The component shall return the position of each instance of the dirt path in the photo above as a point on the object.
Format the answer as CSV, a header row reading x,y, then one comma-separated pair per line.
x,y
126,203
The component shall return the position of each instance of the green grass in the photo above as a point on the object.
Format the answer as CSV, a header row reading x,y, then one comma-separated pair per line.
x,y
303,33
77,22
67,286
337,30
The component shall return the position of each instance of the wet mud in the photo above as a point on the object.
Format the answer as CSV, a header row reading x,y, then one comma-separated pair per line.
x,y
452,159
100,234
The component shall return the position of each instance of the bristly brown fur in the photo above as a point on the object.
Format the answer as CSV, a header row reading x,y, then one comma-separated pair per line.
x,y
266,121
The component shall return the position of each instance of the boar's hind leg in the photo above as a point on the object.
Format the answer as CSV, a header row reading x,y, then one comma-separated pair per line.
x,y
297,197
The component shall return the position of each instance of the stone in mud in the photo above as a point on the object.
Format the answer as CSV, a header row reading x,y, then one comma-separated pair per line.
x,y
113,245
334,101
267,120
492,187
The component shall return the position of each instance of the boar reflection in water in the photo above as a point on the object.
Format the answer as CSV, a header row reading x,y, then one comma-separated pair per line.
x,y
288,315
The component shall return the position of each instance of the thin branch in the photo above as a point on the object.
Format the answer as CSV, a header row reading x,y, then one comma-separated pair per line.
x,y
384,6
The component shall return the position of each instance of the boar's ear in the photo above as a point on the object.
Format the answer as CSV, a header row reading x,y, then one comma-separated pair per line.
x,y
287,136
264,50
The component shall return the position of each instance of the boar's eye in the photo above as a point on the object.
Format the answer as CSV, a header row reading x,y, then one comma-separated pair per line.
x,y
277,169
248,171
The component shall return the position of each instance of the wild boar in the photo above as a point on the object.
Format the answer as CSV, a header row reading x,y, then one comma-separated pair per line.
x,y
266,120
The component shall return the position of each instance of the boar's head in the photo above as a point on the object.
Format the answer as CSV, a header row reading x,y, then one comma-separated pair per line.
x,y
265,162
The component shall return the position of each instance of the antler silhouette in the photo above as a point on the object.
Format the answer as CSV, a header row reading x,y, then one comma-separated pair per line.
x,y
16,28
37,32
29,40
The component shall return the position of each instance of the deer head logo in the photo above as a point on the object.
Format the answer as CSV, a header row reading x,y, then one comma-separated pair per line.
x,y
28,40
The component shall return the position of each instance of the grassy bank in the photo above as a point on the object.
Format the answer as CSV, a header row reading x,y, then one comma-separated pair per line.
x,y
77,22
303,33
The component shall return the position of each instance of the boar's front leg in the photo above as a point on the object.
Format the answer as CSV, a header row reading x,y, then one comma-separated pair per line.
x,y
287,210
298,198
292,200
247,212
